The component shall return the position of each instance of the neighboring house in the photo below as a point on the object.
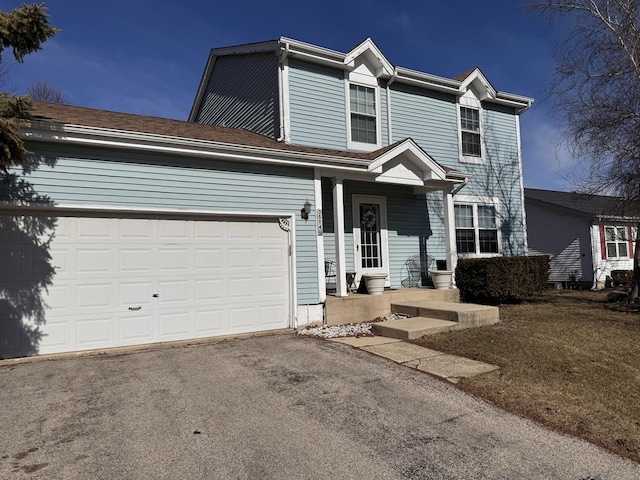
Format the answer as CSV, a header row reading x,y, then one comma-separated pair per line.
x,y
168,230
586,236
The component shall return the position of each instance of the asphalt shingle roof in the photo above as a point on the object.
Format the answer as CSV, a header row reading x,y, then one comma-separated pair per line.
x,y
583,203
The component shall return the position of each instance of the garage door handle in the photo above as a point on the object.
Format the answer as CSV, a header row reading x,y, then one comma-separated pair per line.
x,y
135,308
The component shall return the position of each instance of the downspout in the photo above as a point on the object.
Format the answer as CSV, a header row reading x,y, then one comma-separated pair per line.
x,y
460,187
391,80
283,59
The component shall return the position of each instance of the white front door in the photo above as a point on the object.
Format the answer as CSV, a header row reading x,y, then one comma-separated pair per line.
x,y
370,238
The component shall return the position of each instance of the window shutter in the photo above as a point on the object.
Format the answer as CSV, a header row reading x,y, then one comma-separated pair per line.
x,y
630,237
603,244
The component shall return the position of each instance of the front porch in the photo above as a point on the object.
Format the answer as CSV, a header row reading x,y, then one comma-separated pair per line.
x,y
357,308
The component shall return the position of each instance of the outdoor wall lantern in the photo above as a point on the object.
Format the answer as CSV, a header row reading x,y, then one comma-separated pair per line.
x,y
304,211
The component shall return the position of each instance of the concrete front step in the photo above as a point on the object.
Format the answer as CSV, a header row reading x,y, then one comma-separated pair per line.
x,y
465,314
410,328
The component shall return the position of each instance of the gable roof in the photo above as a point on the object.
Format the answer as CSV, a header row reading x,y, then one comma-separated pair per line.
x,y
584,204
287,47
66,123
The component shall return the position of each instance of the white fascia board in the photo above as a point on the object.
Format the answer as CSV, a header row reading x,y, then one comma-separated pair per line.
x,y
259,47
418,156
512,100
69,209
82,135
202,87
425,80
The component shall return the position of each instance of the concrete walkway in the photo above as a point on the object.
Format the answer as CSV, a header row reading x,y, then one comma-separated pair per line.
x,y
450,367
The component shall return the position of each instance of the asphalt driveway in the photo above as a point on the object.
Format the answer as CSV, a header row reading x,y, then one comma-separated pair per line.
x,y
268,407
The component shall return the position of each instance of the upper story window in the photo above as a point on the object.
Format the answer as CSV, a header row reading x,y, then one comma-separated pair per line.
x,y
470,129
362,105
616,241
476,229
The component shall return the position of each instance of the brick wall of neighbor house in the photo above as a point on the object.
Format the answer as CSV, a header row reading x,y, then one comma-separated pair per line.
x,y
243,93
408,223
565,238
317,98
86,176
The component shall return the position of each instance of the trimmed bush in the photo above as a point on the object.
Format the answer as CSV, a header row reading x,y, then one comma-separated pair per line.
x,y
621,277
501,279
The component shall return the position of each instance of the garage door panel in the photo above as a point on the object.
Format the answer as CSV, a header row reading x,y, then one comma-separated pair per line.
x,y
94,296
209,290
173,260
211,277
174,291
133,294
210,322
94,331
173,325
208,260
91,229
94,260
138,328
173,230
135,260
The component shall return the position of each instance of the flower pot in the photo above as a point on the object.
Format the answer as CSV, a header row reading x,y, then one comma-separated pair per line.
x,y
442,279
375,283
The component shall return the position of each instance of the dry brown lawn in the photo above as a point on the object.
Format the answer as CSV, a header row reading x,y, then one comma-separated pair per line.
x,y
567,359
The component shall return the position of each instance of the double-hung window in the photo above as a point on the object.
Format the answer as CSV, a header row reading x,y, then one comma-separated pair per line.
x,y
470,129
476,229
617,242
362,105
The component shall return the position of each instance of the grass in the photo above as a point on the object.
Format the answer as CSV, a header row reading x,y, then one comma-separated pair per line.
x,y
567,359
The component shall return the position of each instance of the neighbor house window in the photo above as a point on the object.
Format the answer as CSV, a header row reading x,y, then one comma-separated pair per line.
x,y
476,229
362,101
617,241
470,128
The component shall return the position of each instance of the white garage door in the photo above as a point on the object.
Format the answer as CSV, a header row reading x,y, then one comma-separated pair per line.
x,y
127,281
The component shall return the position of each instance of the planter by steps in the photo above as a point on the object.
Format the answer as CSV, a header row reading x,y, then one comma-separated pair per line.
x,y
442,279
375,283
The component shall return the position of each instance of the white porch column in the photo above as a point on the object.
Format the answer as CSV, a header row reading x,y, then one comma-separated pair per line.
x,y
449,229
338,226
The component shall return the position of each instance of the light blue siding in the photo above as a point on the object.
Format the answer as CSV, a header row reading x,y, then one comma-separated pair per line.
x,y
317,97
499,175
119,178
243,93
409,224
429,118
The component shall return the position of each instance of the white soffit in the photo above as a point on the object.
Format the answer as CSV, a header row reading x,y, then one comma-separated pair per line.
x,y
408,164
372,55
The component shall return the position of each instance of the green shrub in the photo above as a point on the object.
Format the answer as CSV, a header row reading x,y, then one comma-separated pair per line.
x,y
621,277
501,279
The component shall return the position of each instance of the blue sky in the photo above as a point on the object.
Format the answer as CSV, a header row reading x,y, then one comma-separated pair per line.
x,y
147,57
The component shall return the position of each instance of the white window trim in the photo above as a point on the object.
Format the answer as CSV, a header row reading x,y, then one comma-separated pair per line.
x,y
364,81
475,201
627,241
469,100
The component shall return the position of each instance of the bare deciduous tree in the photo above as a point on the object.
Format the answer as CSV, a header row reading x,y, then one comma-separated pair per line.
x,y
41,91
597,95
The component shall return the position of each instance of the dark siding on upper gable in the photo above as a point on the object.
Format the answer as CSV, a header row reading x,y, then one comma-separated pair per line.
x,y
243,93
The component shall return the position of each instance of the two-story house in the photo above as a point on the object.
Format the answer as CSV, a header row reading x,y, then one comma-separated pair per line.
x,y
444,177
136,229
